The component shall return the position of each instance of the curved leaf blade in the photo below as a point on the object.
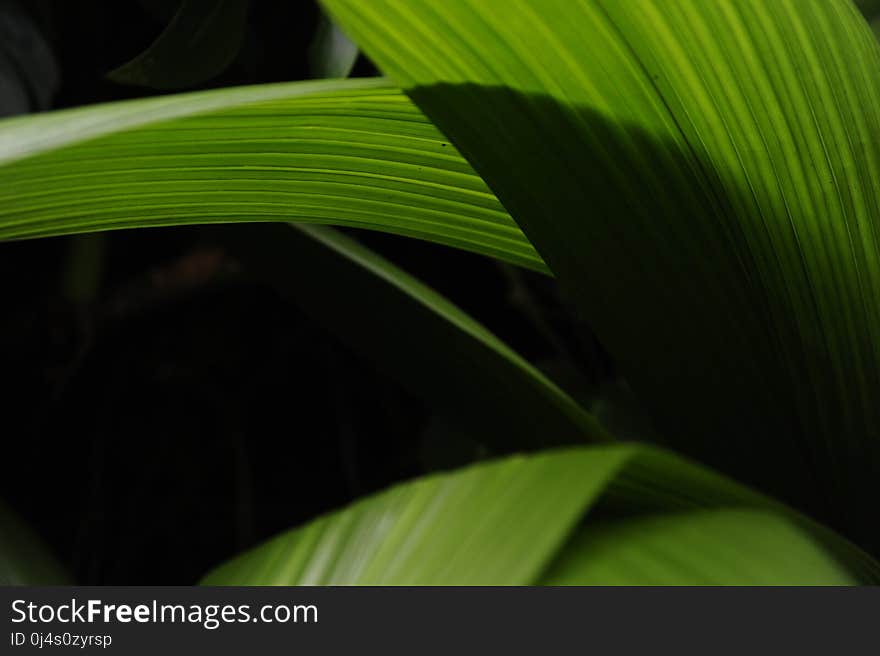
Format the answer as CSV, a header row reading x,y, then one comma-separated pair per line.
x,y
436,530
343,152
331,53
416,335
703,547
511,521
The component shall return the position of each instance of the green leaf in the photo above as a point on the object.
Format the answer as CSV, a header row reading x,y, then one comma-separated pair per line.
x,y
24,559
696,547
703,178
416,335
530,519
869,8
81,276
345,152
331,53
199,43
871,11
29,75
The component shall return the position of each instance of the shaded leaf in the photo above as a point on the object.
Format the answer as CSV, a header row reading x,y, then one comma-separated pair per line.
x,y
28,71
24,560
331,53
431,346
199,43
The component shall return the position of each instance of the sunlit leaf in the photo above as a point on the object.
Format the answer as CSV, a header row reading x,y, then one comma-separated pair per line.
x,y
721,546
345,152
530,519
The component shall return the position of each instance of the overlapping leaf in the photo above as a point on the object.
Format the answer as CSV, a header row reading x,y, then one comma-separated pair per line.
x,y
532,519
703,177
698,547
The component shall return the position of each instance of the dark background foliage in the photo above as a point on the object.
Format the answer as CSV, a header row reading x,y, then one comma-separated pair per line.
x,y
162,411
